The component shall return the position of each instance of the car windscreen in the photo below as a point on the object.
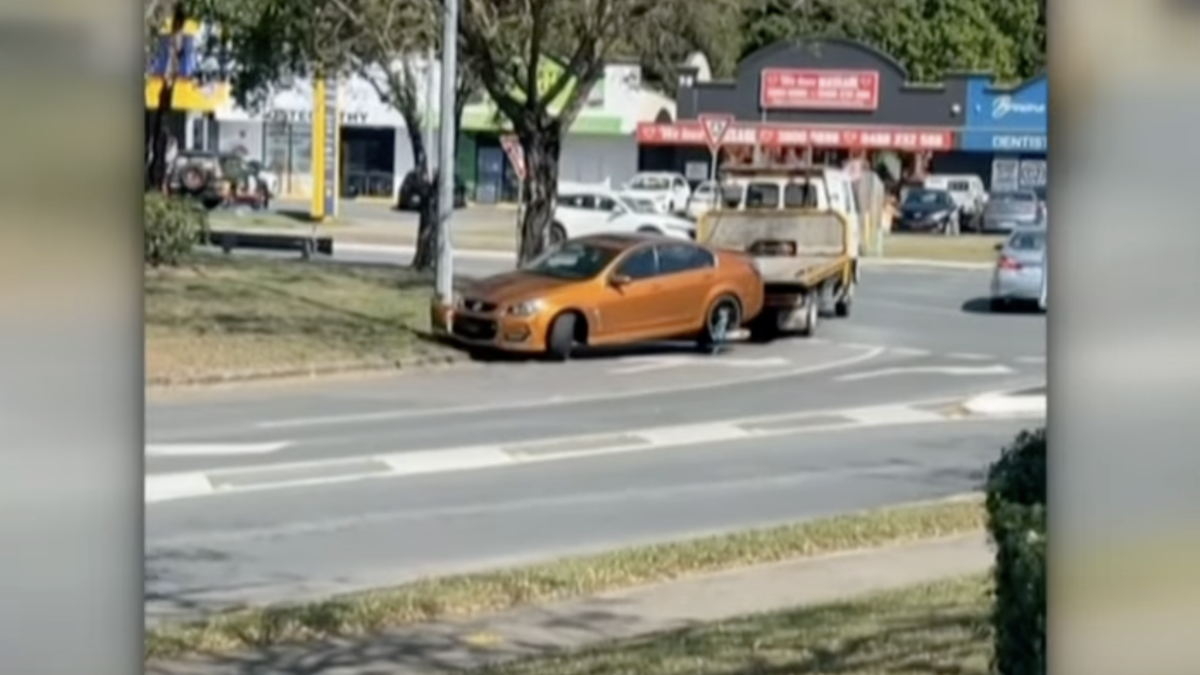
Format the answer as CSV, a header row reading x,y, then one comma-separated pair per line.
x,y
639,205
927,198
573,260
1027,241
649,183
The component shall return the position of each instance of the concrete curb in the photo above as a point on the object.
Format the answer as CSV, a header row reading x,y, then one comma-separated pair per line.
x,y
917,262
317,370
404,249
486,254
1001,405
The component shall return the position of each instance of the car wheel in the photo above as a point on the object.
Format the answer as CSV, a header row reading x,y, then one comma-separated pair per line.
x,y
557,234
723,317
841,308
560,340
649,229
812,315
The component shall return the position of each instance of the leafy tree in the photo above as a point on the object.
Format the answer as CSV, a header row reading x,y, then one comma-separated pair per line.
x,y
930,37
510,45
377,40
174,13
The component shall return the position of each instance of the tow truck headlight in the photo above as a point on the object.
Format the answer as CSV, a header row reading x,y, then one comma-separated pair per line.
x,y
526,308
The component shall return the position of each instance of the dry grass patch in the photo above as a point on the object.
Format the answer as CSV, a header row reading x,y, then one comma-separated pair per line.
x,y
224,316
490,592
965,248
936,628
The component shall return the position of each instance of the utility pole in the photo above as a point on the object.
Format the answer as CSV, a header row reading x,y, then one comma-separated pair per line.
x,y
445,257
430,94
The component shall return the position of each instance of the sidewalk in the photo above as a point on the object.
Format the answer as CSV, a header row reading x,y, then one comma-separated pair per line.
x,y
471,643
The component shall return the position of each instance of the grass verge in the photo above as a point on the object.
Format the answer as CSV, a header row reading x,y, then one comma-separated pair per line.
x,y
490,592
934,628
222,317
966,248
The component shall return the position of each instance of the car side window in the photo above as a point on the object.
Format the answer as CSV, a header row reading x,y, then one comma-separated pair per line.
x,y
570,201
606,203
799,196
676,258
640,264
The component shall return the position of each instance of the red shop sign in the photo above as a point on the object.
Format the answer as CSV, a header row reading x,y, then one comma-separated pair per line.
x,y
795,89
798,135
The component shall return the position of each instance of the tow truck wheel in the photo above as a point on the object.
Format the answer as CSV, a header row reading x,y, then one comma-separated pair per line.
x,y
841,308
812,315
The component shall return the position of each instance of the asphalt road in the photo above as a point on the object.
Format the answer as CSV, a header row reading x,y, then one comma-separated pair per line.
x,y
916,335
205,555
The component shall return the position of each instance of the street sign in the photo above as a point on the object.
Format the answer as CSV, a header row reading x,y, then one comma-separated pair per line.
x,y
516,154
715,127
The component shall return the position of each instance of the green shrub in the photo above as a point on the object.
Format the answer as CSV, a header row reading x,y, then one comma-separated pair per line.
x,y
171,227
1016,507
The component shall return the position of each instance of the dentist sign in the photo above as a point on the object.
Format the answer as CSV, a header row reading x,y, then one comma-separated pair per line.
x,y
1006,120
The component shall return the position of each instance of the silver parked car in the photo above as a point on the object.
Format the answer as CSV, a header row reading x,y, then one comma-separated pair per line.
x,y
1011,209
1020,274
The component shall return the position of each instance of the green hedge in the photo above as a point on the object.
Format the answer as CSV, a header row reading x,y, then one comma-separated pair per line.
x,y
1016,506
171,227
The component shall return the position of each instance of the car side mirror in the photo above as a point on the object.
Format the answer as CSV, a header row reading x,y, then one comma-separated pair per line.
x,y
619,280
998,247
616,213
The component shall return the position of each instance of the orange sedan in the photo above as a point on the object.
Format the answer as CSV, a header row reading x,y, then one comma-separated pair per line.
x,y
608,290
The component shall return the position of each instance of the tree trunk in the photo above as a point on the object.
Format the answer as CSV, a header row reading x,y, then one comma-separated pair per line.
x,y
425,254
543,147
156,173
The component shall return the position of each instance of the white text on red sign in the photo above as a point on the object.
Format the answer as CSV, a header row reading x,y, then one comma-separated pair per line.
x,y
850,90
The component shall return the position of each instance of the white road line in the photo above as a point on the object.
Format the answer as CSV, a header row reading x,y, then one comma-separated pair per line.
x,y
213,449
645,364
893,415
957,371
163,487
968,356
438,461
1031,359
694,434
998,405
909,351
333,420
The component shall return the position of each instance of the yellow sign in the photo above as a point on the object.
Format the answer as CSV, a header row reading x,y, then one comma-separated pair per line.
x,y
188,94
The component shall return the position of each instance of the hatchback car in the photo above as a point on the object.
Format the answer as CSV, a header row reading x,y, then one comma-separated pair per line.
x,y
926,210
1011,209
610,289
1020,275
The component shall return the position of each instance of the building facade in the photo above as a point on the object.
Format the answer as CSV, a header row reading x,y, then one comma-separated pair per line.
x,y
600,146
1004,136
830,99
376,153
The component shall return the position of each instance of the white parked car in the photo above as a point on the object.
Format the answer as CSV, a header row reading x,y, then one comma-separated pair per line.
x,y
581,212
704,199
669,192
